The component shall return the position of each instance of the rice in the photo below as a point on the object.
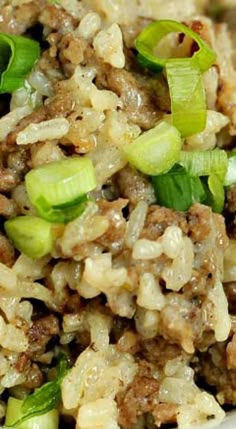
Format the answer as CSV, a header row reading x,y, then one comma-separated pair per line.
x,y
149,293
180,271
52,129
89,25
9,121
108,46
12,338
136,223
103,411
146,249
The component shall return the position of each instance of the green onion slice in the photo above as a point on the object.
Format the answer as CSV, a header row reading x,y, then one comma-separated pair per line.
x,y
17,57
41,402
30,235
60,185
63,215
187,93
156,150
177,189
215,194
205,163
49,420
148,39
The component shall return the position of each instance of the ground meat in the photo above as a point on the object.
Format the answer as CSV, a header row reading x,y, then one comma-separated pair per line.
x,y
212,369
57,19
138,100
231,353
230,291
18,161
34,377
128,342
113,238
61,105
159,351
8,179
230,204
7,251
139,397
159,218
17,20
200,222
48,62
165,414
41,332
7,207
230,211
72,49
134,186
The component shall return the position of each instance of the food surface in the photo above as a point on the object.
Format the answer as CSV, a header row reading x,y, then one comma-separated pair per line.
x,y
118,213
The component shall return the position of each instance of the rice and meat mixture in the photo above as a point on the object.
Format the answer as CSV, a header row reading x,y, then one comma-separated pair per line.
x,y
127,319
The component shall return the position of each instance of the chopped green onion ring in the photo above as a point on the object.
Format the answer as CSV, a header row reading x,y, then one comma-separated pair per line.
x,y
64,214
152,35
30,235
215,194
60,183
17,58
187,94
188,105
38,410
155,151
177,189
205,163
49,420
58,190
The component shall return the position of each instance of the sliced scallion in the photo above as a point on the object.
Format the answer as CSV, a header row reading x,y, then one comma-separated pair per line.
x,y
49,420
17,57
177,189
58,189
65,214
30,235
156,150
215,194
39,407
187,93
149,38
205,163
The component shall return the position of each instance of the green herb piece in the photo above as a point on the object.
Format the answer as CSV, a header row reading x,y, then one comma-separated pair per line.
x,y
49,420
44,399
156,150
58,190
215,194
205,163
177,189
30,235
188,105
17,57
